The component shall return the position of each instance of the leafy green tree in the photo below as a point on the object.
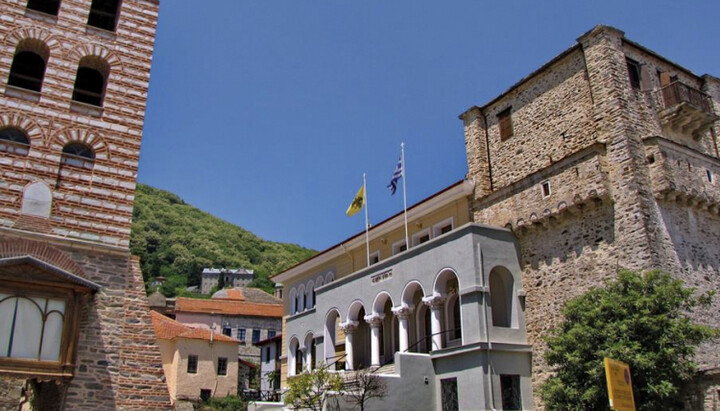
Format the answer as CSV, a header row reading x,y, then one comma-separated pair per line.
x,y
309,389
641,320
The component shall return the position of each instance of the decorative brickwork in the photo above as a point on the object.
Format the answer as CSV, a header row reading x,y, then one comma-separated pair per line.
x,y
630,174
71,213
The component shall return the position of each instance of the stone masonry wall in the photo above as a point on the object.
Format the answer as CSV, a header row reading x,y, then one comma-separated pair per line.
x,y
619,197
91,204
118,361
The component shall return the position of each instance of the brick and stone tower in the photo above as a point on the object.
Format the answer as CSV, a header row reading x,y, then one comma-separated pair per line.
x,y
75,330
605,157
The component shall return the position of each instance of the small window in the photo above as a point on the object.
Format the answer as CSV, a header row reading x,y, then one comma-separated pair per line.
x,y
90,81
255,336
205,395
505,123
399,247
227,331
421,237
271,333
709,175
104,14
510,389
375,257
46,6
634,73
546,189
222,366
443,227
192,364
78,155
27,71
13,140
241,334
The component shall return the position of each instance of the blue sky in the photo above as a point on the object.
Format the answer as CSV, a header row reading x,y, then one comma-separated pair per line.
x,y
267,113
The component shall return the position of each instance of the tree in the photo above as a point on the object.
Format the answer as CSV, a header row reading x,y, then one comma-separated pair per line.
x,y
641,320
308,390
365,387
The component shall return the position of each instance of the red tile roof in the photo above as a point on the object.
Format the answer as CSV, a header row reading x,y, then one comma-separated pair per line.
x,y
169,329
227,307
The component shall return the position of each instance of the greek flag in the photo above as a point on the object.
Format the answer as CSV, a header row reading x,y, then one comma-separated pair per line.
x,y
396,176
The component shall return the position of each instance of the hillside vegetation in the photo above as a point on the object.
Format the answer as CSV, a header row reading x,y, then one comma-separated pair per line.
x,y
176,240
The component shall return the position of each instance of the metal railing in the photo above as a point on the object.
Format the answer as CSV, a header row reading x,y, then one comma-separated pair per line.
x,y
677,92
420,341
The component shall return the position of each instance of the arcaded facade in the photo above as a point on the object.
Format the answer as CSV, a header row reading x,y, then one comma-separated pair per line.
x,y
442,321
75,330
605,157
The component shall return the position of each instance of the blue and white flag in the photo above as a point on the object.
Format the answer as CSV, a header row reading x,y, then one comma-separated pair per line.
x,y
396,176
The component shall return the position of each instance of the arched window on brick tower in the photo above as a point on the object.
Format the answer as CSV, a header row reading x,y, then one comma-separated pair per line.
x,y
90,81
28,67
46,6
104,14
77,154
13,140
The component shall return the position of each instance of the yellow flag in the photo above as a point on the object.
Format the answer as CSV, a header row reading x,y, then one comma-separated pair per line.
x,y
357,203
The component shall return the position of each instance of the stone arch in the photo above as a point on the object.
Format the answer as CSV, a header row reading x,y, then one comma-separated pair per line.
x,y
293,302
293,350
40,251
446,282
16,36
354,311
85,136
98,51
409,291
319,281
329,277
501,285
330,334
310,294
309,346
301,298
37,200
380,300
32,129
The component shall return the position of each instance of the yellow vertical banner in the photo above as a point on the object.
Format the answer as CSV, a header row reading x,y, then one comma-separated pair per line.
x,y
619,385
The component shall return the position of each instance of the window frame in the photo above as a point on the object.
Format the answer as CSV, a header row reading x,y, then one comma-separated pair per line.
x,y
396,247
545,192
241,334
55,14
64,367
437,228
93,11
255,339
634,73
222,366
192,364
375,257
13,146
420,234
505,124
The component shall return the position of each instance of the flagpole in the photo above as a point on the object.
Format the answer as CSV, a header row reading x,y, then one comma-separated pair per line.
x,y
402,154
367,235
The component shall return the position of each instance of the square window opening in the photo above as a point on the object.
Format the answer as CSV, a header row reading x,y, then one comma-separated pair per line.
x,y
505,124
192,364
546,189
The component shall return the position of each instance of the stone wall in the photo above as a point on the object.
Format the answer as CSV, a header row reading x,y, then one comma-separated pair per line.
x,y
626,191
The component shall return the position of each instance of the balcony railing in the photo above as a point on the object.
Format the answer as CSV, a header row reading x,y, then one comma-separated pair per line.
x,y
676,93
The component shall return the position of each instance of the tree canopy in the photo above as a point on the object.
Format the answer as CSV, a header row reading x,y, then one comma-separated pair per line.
x,y
638,319
176,240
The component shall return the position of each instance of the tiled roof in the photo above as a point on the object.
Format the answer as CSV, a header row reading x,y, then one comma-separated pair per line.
x,y
169,329
249,294
228,307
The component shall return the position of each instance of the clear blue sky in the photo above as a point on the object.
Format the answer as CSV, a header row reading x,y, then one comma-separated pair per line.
x,y
267,113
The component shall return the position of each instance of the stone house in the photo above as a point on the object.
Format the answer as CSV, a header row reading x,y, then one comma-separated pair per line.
x,y
232,278
75,328
605,157
198,363
419,315
247,314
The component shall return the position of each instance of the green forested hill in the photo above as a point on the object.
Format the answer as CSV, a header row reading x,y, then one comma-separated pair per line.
x,y
176,240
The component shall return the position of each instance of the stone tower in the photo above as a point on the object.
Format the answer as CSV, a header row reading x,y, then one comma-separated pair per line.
x,y
605,157
75,331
